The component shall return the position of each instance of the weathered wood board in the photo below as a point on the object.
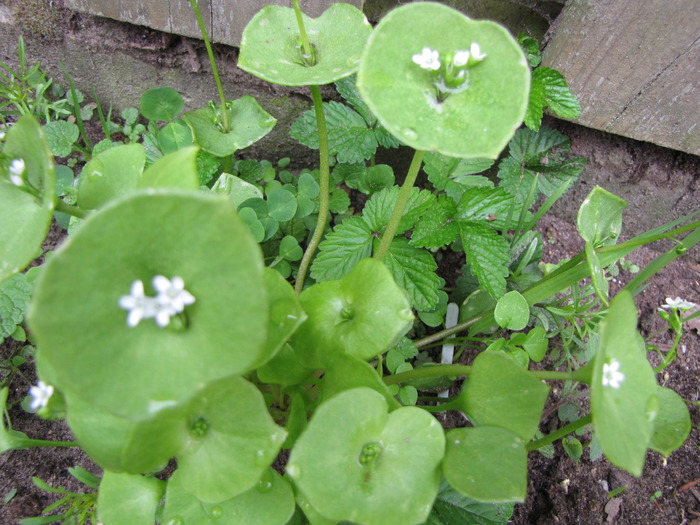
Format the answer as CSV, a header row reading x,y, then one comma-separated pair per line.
x,y
224,19
635,66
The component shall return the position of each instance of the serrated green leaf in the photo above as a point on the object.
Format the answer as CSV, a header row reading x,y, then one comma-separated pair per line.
x,y
436,227
487,254
14,299
454,176
529,146
452,508
61,134
531,48
339,201
485,205
376,178
380,206
342,249
347,88
414,270
549,89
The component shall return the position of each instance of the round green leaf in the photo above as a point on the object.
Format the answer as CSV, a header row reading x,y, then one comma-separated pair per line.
x,y
357,463
290,249
82,330
271,49
161,103
233,440
361,315
128,499
236,188
284,368
486,464
672,423
599,219
174,170
281,204
248,123
476,122
623,388
25,219
512,311
175,136
111,174
270,502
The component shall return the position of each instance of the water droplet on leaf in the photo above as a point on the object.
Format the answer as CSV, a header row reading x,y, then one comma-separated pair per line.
x,y
216,512
410,134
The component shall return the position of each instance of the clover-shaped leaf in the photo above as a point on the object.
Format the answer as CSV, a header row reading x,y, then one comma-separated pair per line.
x,y
363,314
233,440
410,61
271,48
91,314
623,390
357,463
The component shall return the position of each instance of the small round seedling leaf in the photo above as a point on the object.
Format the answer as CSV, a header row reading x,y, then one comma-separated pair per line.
x,y
290,249
271,47
500,393
128,499
161,103
623,389
82,329
486,464
270,502
357,463
599,219
281,205
362,315
672,423
512,311
233,440
175,136
236,188
479,120
248,123
111,174
25,219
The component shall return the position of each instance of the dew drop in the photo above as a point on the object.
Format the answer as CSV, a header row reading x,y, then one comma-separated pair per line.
x,y
261,459
293,471
458,442
410,134
175,521
216,512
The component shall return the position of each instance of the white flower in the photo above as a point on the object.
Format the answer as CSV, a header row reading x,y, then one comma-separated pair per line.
x,y
461,58
476,53
428,59
16,170
172,298
2,135
678,304
41,393
612,375
139,306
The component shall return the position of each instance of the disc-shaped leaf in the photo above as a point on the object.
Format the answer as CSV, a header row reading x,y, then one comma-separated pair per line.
x,y
111,174
363,314
486,464
161,103
128,499
599,219
175,136
476,122
25,219
174,170
270,502
623,389
82,330
233,440
271,48
512,311
672,423
500,393
357,463
248,123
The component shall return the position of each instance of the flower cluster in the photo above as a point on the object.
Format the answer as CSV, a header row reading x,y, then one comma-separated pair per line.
x,y
677,304
40,394
16,170
450,71
612,375
171,299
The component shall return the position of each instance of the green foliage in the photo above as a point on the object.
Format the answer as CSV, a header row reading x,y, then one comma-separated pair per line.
x,y
14,299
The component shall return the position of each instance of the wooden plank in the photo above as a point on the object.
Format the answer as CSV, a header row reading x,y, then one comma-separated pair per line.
x,y
635,66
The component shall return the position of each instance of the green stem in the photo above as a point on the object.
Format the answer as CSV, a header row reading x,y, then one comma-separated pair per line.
x,y
439,336
671,355
27,443
212,61
401,202
558,434
70,210
308,50
428,371
324,195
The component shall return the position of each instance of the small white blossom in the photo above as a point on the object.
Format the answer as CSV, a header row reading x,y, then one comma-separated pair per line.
x,y
612,375
16,170
172,298
678,304
461,58
41,393
139,306
2,135
476,53
428,59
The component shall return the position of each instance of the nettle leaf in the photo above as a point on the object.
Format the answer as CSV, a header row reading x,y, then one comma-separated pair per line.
x,y
25,219
270,502
379,207
61,135
414,270
623,389
347,461
528,146
14,299
549,89
436,228
342,249
128,499
452,508
454,175
347,87
271,49
488,111
485,206
532,48
232,441
488,255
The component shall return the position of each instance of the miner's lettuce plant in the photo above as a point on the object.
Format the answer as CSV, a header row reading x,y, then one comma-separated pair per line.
x,y
161,333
